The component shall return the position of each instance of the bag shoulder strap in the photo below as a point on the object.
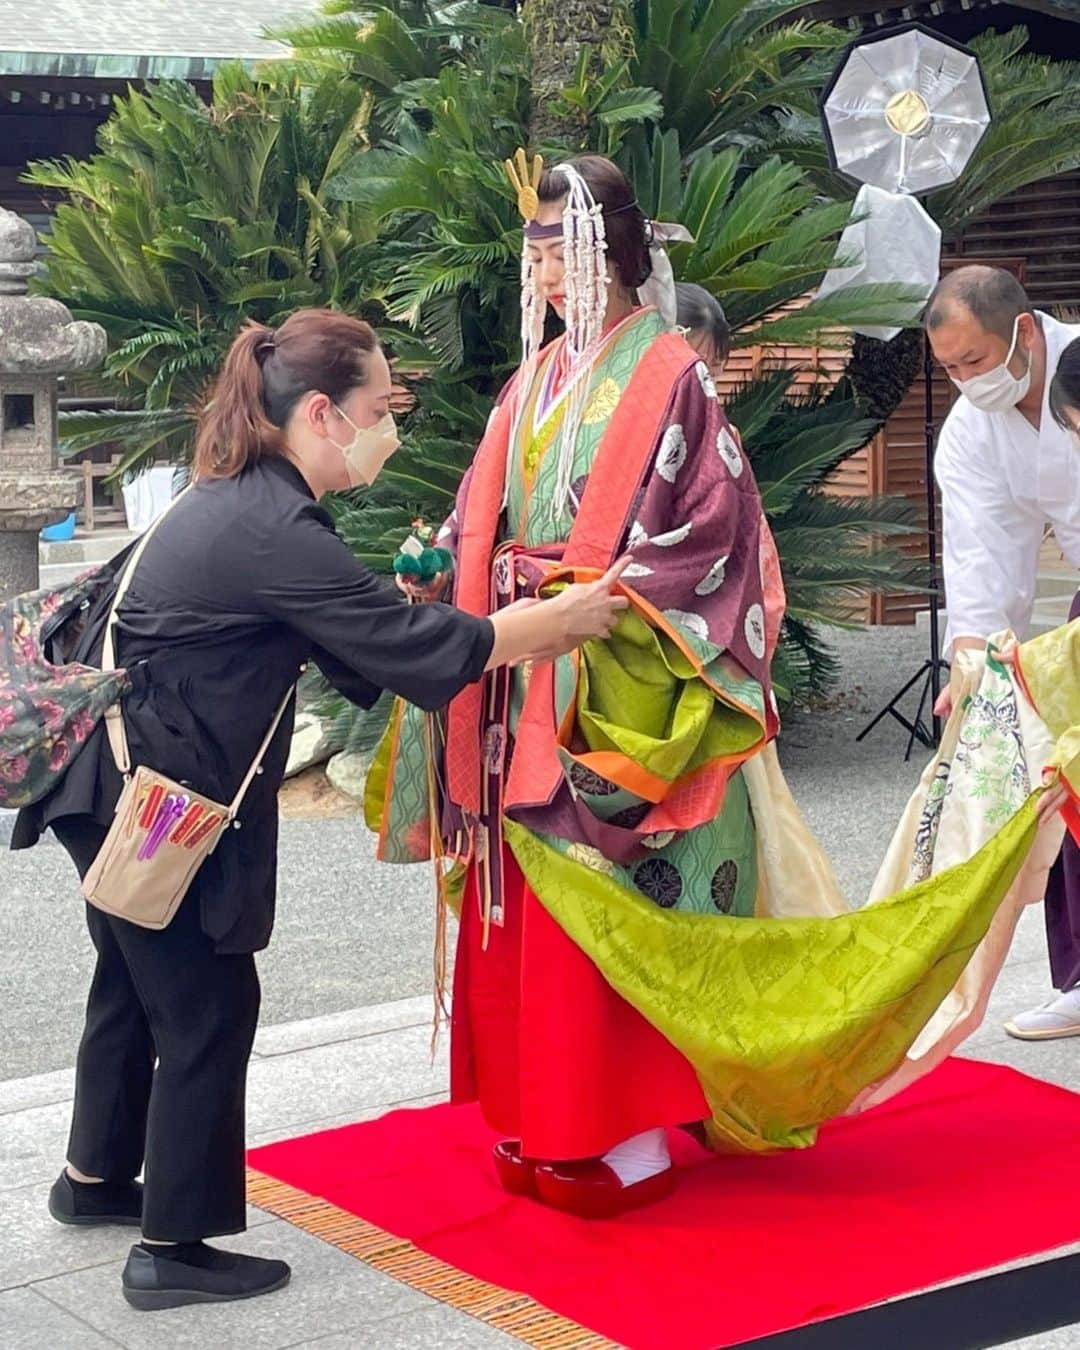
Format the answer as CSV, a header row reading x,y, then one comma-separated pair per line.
x,y
114,717
256,763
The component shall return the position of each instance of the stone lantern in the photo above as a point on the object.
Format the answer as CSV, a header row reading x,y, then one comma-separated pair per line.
x,y
39,341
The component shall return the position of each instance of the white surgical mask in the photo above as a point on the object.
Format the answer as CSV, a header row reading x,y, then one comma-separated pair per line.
x,y
369,449
998,390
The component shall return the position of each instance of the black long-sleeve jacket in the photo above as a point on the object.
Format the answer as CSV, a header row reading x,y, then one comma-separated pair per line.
x,y
242,583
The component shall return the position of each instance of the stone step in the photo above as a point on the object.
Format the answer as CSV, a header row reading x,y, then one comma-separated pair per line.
x,y
99,546
1057,581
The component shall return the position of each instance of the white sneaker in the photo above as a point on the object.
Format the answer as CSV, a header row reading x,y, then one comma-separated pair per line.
x,y
1059,1016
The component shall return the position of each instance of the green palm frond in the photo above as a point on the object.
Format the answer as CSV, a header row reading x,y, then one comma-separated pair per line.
x,y
717,67
804,664
357,731
135,433
191,218
827,322
629,106
823,518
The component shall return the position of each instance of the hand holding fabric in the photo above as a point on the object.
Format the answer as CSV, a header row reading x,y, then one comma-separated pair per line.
x,y
541,630
586,610
943,704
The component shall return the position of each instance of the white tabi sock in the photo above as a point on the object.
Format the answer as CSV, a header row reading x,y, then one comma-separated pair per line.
x,y
642,1156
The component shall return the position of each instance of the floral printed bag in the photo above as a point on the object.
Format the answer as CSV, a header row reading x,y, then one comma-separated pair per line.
x,y
49,707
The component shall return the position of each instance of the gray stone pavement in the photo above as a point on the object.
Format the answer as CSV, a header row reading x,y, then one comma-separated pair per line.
x,y
349,932
346,1036
59,1287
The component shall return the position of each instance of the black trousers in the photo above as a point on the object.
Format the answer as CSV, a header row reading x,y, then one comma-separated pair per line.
x,y
162,1067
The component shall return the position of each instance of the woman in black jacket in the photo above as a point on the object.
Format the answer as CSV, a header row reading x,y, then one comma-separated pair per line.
x,y
243,582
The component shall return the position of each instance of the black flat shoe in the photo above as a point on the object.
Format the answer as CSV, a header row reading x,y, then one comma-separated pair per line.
x,y
88,1205
196,1273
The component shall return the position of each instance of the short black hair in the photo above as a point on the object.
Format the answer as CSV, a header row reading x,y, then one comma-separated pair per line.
x,y
699,311
1065,386
991,295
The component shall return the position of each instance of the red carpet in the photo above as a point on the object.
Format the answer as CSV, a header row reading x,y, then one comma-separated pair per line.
x,y
971,1168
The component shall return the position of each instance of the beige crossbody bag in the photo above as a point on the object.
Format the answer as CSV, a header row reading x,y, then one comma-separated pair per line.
x,y
162,831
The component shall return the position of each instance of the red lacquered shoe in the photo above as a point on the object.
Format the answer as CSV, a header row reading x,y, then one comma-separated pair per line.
x,y
697,1132
592,1190
517,1174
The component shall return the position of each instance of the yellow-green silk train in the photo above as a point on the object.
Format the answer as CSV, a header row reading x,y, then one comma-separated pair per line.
x,y
807,1010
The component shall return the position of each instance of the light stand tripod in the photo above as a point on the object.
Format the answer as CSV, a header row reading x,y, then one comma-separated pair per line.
x,y
931,669
902,113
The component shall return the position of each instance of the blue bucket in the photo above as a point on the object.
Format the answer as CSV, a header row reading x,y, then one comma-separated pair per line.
x,y
55,534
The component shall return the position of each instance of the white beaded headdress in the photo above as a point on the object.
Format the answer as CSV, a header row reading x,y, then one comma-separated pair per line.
x,y
584,239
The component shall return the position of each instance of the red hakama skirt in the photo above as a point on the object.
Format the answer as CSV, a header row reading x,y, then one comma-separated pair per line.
x,y
554,1055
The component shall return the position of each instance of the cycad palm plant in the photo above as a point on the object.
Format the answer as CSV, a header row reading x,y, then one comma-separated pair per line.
x,y
763,239
190,219
430,189
724,71
1035,132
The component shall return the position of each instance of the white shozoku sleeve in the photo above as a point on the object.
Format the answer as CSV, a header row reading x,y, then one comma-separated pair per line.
x,y
990,543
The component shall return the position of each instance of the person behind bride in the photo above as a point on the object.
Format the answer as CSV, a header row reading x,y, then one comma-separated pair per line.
x,y
1008,470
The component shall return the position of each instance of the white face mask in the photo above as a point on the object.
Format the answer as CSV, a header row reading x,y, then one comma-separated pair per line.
x,y
369,449
998,390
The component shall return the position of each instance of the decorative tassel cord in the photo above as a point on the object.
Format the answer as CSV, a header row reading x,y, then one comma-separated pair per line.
x,y
440,1012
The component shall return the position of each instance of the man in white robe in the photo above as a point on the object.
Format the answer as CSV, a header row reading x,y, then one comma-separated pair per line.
x,y
1007,472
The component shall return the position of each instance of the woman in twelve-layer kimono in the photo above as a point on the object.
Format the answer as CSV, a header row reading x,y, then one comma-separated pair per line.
x,y
610,976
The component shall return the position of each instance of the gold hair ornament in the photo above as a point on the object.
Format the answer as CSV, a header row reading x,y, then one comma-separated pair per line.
x,y
525,182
